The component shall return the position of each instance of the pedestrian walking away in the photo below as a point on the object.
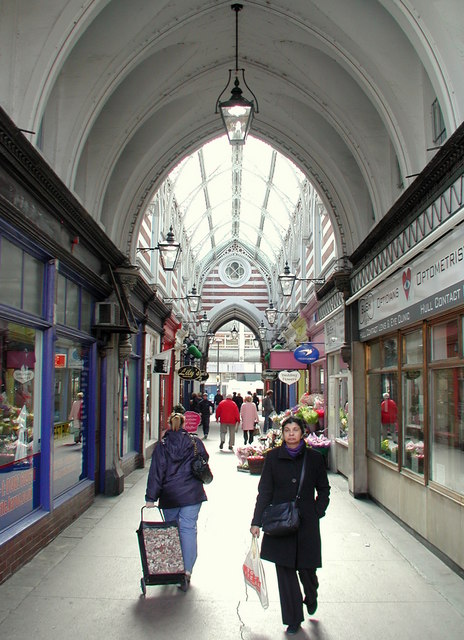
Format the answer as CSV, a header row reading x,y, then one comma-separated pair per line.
x,y
171,482
249,418
228,415
206,407
296,555
268,408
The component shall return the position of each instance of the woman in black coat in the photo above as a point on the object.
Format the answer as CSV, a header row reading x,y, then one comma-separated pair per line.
x,y
297,554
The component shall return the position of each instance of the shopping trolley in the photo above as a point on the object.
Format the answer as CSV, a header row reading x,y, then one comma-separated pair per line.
x,y
160,552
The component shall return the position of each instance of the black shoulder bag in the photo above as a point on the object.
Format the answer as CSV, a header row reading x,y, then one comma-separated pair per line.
x,y
283,519
200,466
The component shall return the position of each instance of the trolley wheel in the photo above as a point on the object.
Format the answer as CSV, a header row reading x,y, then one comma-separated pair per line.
x,y
143,586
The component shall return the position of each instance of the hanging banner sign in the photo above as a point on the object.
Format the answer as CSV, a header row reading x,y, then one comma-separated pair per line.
x,y
189,373
289,377
192,420
268,375
306,353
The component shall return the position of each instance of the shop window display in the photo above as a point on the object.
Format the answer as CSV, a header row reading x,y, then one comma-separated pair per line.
x,y
413,402
20,362
447,428
447,402
382,399
70,414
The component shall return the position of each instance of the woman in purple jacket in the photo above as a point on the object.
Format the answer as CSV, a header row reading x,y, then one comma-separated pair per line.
x,y
170,481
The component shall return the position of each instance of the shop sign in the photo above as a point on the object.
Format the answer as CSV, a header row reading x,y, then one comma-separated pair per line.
x,y
268,375
289,377
192,420
60,360
189,373
306,353
204,376
334,333
425,287
23,375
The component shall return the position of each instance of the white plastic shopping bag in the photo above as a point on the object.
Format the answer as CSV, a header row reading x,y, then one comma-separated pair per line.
x,y
253,572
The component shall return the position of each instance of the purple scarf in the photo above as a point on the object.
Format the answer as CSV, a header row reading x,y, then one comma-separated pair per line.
x,y
294,452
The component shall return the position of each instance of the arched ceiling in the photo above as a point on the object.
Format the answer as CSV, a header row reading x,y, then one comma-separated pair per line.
x,y
119,92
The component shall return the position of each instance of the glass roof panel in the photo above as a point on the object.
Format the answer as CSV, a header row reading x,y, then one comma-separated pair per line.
x,y
245,192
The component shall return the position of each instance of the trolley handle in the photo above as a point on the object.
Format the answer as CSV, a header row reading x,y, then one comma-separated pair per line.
x,y
155,507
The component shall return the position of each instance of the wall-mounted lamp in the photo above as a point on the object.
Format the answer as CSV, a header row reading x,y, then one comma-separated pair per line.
x,y
237,112
287,281
262,331
193,300
256,343
204,323
271,314
169,251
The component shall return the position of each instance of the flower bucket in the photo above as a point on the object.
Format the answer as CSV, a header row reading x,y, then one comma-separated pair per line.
x,y
255,465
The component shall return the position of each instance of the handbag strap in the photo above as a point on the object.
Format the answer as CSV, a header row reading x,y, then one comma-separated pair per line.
x,y
195,450
302,475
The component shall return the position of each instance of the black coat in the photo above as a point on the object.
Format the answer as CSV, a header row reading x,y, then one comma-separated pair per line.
x,y
279,483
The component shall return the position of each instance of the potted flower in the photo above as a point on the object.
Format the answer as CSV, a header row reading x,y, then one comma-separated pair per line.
x,y
321,443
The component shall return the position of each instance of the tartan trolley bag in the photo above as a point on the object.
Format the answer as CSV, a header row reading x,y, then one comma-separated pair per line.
x,y
160,553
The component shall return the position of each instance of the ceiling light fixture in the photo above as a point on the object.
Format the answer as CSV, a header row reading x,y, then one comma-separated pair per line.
x,y
237,112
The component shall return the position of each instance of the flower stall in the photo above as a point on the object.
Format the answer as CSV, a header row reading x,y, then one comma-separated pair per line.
x,y
252,456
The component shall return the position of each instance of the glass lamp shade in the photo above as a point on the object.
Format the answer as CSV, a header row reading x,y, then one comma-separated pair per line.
x,y
169,252
287,280
262,331
204,323
237,114
193,300
271,314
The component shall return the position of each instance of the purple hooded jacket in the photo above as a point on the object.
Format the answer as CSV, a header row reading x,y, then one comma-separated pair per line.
x,y
170,478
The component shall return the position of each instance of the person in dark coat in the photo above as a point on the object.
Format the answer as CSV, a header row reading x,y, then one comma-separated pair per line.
x,y
218,398
179,493
297,554
195,403
206,407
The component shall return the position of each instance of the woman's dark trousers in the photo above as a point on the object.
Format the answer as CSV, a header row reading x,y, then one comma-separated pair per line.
x,y
291,600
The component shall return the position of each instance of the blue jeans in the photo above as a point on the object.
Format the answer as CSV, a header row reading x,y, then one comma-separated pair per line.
x,y
186,518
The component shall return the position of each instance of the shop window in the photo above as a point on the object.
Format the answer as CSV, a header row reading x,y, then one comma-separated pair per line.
x,y
382,400
128,407
390,352
444,341
70,426
447,428
413,420
343,409
73,304
21,279
412,352
20,362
